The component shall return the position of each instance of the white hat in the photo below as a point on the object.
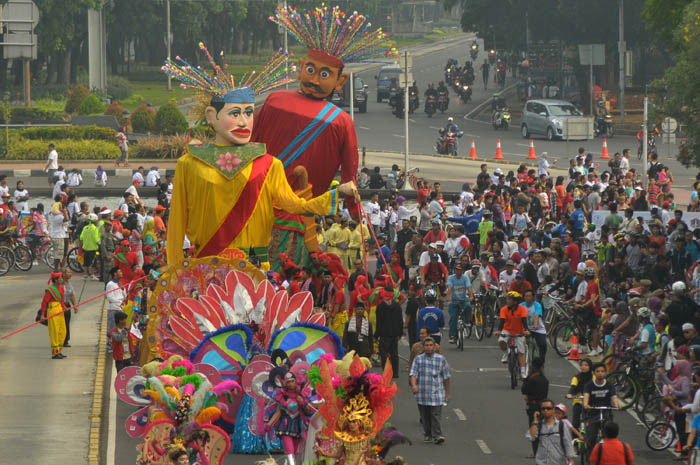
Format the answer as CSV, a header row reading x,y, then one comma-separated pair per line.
x,y
433,245
440,243
92,217
498,171
106,211
638,188
581,266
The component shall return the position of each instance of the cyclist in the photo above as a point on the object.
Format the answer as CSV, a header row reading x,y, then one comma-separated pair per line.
x,y
646,338
435,273
431,317
458,286
578,383
535,322
507,276
513,321
599,392
590,309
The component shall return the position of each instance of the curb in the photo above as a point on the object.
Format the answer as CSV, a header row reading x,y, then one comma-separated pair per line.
x,y
97,409
87,173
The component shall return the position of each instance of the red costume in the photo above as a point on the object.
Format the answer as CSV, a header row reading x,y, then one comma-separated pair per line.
x,y
126,263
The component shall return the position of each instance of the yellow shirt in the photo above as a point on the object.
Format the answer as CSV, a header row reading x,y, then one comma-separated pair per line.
x,y
356,236
203,197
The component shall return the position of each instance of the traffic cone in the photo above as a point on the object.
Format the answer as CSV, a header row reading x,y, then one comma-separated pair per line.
x,y
472,152
573,352
531,155
605,149
499,153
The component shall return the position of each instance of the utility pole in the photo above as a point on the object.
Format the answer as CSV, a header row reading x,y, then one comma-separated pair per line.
x,y
352,96
405,115
622,48
286,48
168,39
645,148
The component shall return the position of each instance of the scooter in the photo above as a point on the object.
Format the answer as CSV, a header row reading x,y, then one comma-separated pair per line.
x,y
501,119
603,125
442,102
465,93
474,52
492,56
447,143
412,101
430,105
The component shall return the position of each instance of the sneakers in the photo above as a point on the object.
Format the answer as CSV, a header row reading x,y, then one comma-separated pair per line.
x,y
523,372
595,352
439,440
504,358
427,439
453,340
58,356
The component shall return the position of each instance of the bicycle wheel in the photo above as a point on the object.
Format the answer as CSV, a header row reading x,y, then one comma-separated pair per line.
x,y
660,436
4,266
7,253
73,262
513,369
460,336
583,451
561,338
491,316
23,257
478,325
48,256
652,411
626,388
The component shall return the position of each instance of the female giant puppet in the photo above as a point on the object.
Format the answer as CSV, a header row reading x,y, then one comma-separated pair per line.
x,y
301,128
223,193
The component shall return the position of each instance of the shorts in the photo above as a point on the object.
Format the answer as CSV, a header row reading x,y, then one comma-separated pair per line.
x,y
519,341
59,247
589,316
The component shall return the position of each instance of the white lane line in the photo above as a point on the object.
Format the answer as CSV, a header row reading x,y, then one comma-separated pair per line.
x,y
560,385
433,127
473,136
411,120
112,426
482,445
460,414
398,135
523,145
366,129
486,370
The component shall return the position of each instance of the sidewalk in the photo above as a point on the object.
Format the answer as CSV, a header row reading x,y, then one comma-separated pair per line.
x,y
48,414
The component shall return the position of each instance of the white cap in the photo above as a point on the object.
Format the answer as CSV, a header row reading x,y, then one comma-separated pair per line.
x,y
498,171
92,217
440,243
433,245
581,266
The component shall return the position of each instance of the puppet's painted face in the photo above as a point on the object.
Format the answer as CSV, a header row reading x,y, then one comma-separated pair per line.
x,y
233,124
318,79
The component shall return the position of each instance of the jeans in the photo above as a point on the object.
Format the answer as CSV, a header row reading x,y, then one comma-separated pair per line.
x,y
453,309
110,326
541,341
430,417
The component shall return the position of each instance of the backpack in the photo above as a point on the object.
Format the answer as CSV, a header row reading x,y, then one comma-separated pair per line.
x,y
561,435
625,446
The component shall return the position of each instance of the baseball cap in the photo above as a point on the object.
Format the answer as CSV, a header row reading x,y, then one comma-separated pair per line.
x,y
561,407
160,208
432,245
440,243
687,326
125,242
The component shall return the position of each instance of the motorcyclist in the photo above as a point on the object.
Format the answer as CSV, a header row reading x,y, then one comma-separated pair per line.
x,y
432,91
497,102
485,68
413,93
451,126
442,89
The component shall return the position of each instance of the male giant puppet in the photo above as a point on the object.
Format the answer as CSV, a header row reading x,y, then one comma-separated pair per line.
x,y
301,128
223,193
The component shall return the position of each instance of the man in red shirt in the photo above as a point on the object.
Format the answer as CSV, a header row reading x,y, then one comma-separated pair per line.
x,y
435,234
127,261
158,220
513,321
520,285
612,451
572,251
423,192
590,308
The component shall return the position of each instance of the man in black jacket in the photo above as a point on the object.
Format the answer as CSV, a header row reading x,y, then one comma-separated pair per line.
x,y
483,180
389,328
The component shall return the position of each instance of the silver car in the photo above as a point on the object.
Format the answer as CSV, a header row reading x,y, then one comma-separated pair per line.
x,y
555,119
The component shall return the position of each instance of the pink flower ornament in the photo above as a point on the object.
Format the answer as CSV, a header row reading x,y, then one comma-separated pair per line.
x,y
228,161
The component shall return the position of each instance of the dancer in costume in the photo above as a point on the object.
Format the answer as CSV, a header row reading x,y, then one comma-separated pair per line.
x,y
51,304
223,193
302,128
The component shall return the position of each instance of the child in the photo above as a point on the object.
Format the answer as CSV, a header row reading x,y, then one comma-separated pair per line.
x,y
560,413
120,342
578,382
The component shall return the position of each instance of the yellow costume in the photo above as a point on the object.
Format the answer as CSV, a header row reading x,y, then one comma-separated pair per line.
x,y
339,237
355,247
51,304
204,195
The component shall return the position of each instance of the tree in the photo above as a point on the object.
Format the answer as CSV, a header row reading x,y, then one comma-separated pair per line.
x,y
91,105
75,98
663,17
680,86
170,120
143,119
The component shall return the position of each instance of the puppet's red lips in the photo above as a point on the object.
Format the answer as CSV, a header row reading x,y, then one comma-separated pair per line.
x,y
241,132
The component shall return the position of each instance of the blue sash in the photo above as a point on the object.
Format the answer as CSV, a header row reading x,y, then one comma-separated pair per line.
x,y
325,117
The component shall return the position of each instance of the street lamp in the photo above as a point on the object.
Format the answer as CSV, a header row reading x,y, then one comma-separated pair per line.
x,y
168,38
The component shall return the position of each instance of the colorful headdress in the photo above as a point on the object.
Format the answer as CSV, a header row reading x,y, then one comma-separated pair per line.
x,y
220,86
333,37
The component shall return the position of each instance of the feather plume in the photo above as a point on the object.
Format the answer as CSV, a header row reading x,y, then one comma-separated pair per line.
x,y
199,395
227,385
208,415
157,386
172,392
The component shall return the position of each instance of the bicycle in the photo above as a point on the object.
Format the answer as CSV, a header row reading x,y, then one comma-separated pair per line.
x,y
490,303
23,258
562,334
633,381
4,265
475,326
601,420
513,363
662,434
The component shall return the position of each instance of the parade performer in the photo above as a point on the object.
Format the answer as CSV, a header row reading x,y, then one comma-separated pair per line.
x,y
223,193
51,304
302,128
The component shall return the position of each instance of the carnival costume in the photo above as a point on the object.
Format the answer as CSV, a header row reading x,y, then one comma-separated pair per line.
x,y
223,196
51,304
309,131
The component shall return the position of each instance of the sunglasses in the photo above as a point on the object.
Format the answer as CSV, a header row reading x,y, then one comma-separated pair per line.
x,y
547,408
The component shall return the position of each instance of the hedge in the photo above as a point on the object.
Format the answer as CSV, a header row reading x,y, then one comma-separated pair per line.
x,y
91,105
170,120
159,147
116,110
143,119
27,149
75,96
56,133
35,115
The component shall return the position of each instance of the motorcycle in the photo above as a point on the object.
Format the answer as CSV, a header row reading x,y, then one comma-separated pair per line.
x,y
501,119
397,103
442,102
449,75
465,93
412,101
468,76
651,146
430,105
447,143
492,56
474,52
603,125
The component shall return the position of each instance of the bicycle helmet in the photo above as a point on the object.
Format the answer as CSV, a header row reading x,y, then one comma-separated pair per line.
x,y
475,264
589,273
431,295
514,294
643,312
678,287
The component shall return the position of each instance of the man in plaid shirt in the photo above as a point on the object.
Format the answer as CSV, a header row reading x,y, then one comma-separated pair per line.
x,y
430,383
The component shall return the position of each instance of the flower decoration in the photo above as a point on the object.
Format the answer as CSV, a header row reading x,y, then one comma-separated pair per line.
x,y
228,161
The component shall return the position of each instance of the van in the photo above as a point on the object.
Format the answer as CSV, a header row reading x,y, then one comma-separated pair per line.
x,y
384,77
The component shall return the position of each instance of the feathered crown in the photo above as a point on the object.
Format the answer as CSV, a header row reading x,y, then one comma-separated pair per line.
x,y
221,86
332,36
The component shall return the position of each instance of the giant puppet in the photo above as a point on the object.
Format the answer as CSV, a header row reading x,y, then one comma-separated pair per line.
x,y
302,128
223,193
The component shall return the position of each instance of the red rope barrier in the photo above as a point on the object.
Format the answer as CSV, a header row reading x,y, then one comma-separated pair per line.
x,y
74,306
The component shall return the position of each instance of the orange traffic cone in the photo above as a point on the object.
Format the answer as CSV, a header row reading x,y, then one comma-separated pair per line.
x,y
499,153
472,152
573,352
531,155
605,149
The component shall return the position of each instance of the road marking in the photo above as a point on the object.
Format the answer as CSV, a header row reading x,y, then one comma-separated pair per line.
x,y
411,120
486,370
482,445
460,414
366,129
523,145
560,385
473,136
398,135
112,425
433,127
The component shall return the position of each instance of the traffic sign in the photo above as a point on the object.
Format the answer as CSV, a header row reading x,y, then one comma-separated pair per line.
x,y
667,138
669,125
402,80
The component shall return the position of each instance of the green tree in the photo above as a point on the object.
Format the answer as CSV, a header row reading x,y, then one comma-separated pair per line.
x,y
143,119
663,17
75,98
170,120
91,105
